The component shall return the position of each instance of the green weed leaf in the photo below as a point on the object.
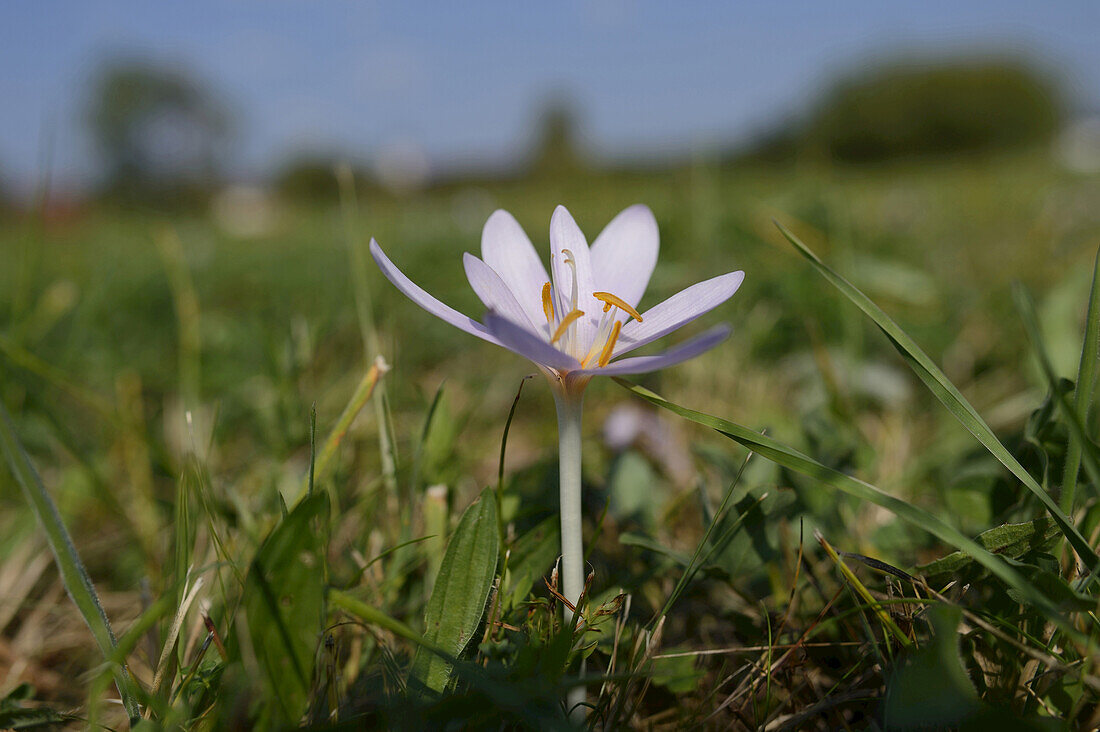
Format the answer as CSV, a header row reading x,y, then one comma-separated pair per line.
x,y
1008,540
285,605
460,592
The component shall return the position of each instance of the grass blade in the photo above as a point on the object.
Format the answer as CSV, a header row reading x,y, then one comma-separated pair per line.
x,y
189,595
1082,393
697,558
504,438
790,458
312,448
77,582
861,590
374,616
27,361
948,395
418,457
503,448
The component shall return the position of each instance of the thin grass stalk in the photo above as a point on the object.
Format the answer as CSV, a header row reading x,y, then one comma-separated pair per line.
x,y
362,394
357,260
186,301
189,595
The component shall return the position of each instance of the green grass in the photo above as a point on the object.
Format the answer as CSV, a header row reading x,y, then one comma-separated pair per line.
x,y
161,373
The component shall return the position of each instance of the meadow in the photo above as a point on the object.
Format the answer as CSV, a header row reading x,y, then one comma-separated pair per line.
x,y
271,522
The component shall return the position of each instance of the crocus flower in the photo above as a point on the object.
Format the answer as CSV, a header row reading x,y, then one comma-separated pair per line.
x,y
575,323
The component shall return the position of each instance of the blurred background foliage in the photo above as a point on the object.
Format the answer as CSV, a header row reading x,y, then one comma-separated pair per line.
x,y
914,110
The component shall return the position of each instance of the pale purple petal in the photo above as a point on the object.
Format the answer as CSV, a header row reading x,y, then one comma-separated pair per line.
x,y
506,248
565,234
677,311
625,253
488,286
644,364
417,294
530,345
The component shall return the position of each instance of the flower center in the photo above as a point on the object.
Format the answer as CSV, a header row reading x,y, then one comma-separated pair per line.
x,y
562,316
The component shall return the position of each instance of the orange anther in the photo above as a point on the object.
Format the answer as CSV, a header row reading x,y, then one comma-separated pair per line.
x,y
565,323
608,300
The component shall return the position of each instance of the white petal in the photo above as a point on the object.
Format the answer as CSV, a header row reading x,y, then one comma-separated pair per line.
x,y
506,248
625,253
644,364
677,311
417,294
565,234
488,286
520,340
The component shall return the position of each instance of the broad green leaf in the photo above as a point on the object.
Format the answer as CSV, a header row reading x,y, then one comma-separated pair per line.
x,y
77,582
1085,448
513,697
1008,540
795,460
675,670
284,601
532,556
460,592
628,538
632,489
748,535
1050,583
931,688
948,395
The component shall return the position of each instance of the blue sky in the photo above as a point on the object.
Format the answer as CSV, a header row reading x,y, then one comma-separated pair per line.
x,y
462,81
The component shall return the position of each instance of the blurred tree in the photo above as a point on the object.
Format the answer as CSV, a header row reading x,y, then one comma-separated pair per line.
x,y
160,134
313,177
913,109
555,150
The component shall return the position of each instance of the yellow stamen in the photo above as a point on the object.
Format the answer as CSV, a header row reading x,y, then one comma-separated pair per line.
x,y
565,323
608,347
608,300
547,303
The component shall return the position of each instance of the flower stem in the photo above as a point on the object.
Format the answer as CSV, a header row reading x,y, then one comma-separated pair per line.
x,y
572,542
569,471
